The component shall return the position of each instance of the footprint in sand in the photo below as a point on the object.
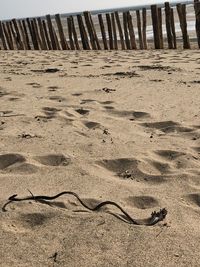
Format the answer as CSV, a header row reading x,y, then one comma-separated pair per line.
x,y
16,163
169,154
3,92
197,149
130,169
53,160
57,98
193,199
82,111
50,112
142,202
131,115
25,222
92,125
167,127
53,88
179,160
7,160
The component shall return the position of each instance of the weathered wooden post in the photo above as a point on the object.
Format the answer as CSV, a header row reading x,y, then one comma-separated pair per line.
x,y
42,34
110,34
144,27
46,35
83,33
26,34
197,14
94,33
156,28
121,36
71,41
7,36
125,23
51,32
18,35
13,34
56,39
2,36
168,25
131,31
37,34
181,8
114,31
173,29
76,42
139,26
36,44
23,34
160,27
10,34
103,32
90,31
61,32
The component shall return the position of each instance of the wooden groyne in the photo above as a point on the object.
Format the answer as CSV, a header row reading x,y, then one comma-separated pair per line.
x,y
110,31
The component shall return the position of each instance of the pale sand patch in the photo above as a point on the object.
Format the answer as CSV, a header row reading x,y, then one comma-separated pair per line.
x,y
120,126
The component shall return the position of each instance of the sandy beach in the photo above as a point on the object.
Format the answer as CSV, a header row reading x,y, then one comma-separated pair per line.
x,y
117,125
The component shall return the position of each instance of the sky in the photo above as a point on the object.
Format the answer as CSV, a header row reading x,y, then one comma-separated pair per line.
x,y
29,8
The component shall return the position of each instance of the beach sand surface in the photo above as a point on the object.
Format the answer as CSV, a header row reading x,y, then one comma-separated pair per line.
x,y
121,126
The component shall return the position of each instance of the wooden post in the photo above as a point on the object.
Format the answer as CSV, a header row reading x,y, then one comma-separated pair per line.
x,y
144,27
94,32
125,23
173,29
197,14
90,30
61,33
29,32
26,35
71,41
23,34
110,34
46,35
121,36
168,25
156,29
42,34
74,34
18,35
83,33
36,44
160,27
114,31
103,32
10,34
51,32
56,39
37,34
131,31
2,36
139,29
181,8
13,34
7,36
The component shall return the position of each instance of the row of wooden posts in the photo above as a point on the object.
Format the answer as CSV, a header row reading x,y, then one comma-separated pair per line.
x,y
41,34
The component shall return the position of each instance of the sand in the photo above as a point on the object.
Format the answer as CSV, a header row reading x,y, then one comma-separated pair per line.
x,y
119,126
